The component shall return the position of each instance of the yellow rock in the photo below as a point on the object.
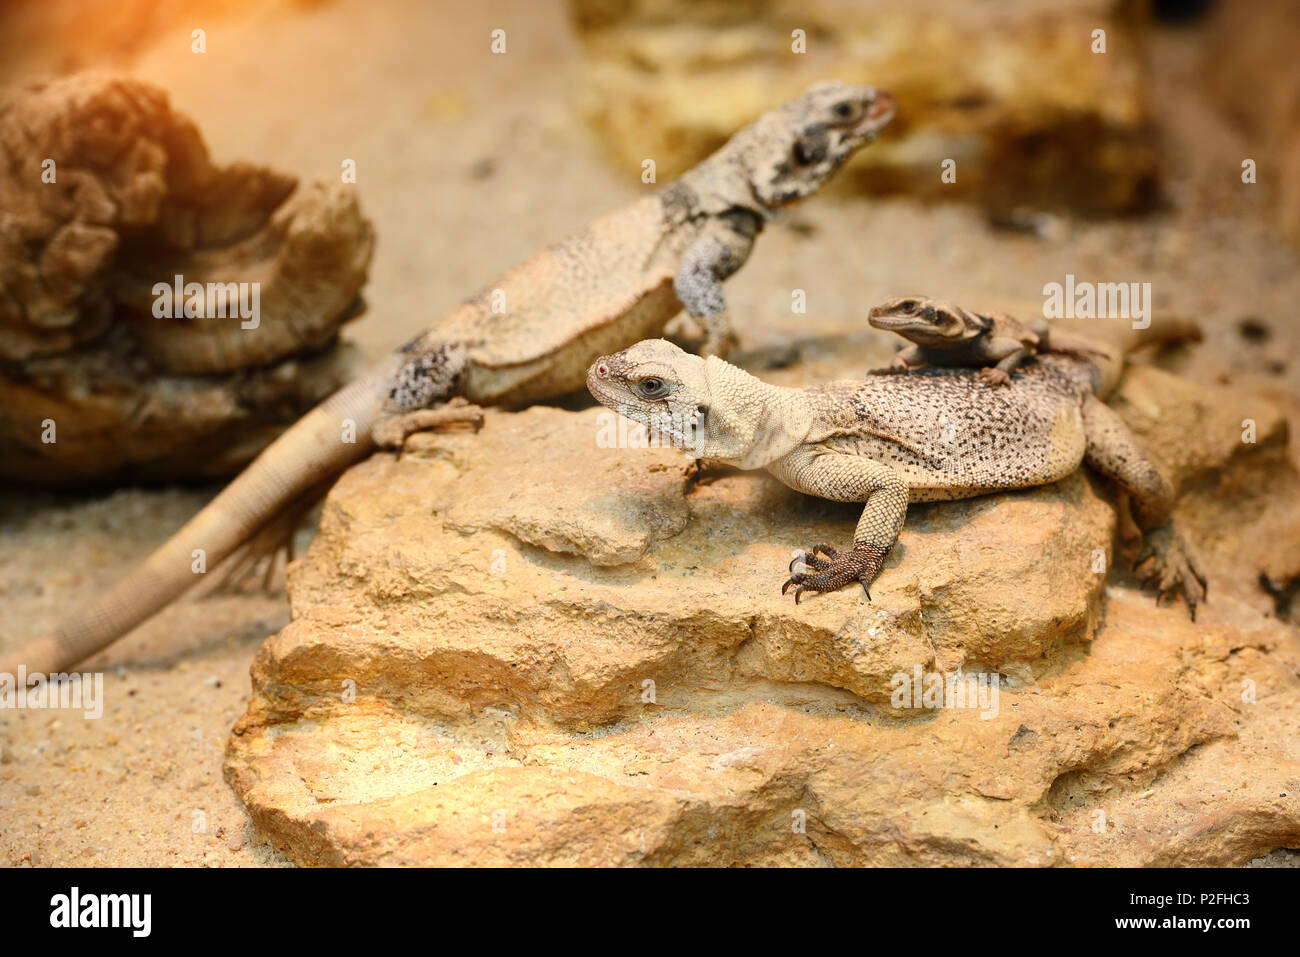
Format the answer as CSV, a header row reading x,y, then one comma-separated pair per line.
x,y
522,648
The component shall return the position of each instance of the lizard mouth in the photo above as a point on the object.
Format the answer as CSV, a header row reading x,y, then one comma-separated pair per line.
x,y
878,114
892,323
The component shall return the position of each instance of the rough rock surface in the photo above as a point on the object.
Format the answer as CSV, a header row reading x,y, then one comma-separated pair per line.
x,y
527,647
105,192
1014,94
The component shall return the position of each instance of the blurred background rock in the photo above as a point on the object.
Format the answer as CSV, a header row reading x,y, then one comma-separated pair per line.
x,y
1252,69
106,192
1015,93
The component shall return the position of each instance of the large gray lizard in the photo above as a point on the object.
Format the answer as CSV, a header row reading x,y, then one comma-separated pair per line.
x,y
529,336
932,435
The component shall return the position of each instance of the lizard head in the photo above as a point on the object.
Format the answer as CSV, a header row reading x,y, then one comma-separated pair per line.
x,y
927,321
706,407
793,150
656,384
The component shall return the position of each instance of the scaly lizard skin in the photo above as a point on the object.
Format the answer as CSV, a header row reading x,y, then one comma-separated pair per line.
x,y
529,336
934,435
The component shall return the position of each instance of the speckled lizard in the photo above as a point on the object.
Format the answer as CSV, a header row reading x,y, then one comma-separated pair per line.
x,y
888,440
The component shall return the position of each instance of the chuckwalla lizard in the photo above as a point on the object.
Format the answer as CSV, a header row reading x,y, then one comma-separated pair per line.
x,y
932,435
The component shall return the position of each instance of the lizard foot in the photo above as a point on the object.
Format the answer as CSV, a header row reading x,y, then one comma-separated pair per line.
x,y
390,432
262,551
993,376
261,554
1167,564
860,564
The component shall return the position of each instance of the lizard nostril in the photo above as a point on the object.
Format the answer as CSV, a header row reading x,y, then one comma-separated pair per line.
x,y
602,369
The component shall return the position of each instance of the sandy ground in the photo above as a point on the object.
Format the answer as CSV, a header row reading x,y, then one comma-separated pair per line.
x,y
467,163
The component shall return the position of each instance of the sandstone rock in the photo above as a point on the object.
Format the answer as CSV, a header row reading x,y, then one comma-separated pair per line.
x,y
1013,93
107,192
524,648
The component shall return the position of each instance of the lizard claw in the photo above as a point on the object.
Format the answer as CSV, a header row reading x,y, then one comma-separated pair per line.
x,y
993,376
262,551
813,560
1166,565
794,580
860,564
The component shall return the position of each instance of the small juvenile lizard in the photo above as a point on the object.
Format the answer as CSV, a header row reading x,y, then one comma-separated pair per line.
x,y
934,435
943,334
529,336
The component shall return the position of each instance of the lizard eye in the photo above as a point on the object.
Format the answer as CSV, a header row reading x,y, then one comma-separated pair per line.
x,y
651,388
847,111
907,305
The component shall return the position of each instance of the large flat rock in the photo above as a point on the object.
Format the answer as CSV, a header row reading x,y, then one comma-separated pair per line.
x,y
522,647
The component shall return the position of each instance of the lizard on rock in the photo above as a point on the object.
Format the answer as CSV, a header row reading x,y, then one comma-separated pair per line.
x,y
529,336
934,435
943,334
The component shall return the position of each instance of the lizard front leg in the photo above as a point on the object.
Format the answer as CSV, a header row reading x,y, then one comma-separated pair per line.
x,y
1008,353
715,255
908,358
842,477
1113,451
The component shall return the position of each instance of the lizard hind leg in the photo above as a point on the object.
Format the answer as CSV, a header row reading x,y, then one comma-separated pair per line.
x,y
1165,562
392,431
425,395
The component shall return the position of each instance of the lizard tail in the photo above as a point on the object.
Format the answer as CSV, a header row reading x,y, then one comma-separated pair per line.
x,y
316,449
1105,346
1163,330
